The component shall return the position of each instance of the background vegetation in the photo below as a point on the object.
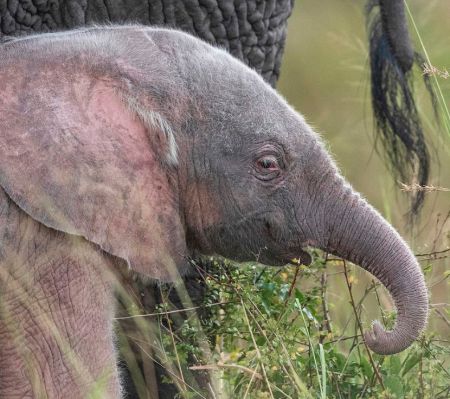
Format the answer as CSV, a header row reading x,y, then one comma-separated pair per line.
x,y
296,332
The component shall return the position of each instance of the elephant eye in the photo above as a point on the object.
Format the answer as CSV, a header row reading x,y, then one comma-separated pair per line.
x,y
268,167
269,163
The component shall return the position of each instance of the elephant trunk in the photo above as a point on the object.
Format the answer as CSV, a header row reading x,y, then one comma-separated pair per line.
x,y
359,234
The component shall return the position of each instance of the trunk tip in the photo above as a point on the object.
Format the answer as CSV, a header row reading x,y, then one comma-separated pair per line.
x,y
385,342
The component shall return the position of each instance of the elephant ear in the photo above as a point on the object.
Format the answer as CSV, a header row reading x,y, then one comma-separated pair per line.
x,y
76,158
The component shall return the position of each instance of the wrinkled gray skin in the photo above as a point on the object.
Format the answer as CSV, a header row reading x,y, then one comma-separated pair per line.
x,y
251,180
254,31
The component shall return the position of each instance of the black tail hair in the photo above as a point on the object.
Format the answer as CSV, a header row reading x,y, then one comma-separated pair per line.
x,y
396,118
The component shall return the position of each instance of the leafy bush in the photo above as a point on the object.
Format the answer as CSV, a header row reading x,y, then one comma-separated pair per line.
x,y
271,335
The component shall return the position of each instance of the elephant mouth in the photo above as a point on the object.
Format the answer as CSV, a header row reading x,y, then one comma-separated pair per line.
x,y
302,258
291,257
286,252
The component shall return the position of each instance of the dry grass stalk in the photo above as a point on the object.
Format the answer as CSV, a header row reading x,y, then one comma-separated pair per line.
x,y
219,365
414,187
431,70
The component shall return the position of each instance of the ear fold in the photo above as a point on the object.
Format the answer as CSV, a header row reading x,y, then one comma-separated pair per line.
x,y
75,158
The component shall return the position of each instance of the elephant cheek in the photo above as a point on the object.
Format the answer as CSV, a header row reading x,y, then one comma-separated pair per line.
x,y
203,211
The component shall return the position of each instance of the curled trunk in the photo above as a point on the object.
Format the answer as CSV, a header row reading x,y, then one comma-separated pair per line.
x,y
359,234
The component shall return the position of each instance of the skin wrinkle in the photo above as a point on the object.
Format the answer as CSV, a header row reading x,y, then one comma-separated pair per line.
x,y
38,340
381,247
189,23
297,221
55,355
61,288
242,218
343,223
368,238
303,222
59,291
227,198
56,360
231,38
354,228
321,186
200,214
331,208
313,200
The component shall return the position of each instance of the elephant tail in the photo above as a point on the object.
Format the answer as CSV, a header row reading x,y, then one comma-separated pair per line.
x,y
392,59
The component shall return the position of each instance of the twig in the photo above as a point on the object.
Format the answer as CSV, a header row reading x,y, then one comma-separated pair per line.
x,y
440,230
172,311
227,365
326,325
291,288
169,324
435,253
439,305
431,285
442,315
422,388
433,259
374,285
297,383
358,321
344,338
170,372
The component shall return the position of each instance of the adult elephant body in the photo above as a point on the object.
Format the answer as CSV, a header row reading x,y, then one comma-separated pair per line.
x,y
254,31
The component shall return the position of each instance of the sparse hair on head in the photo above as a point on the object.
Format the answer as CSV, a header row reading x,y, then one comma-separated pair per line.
x,y
154,120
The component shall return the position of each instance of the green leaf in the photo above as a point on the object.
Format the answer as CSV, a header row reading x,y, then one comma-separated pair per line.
x,y
395,365
394,384
366,367
299,296
411,361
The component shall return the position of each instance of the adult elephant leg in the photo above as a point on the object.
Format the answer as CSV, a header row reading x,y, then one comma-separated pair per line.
x,y
56,310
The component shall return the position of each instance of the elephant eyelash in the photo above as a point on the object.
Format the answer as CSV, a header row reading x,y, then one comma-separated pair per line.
x,y
269,163
268,167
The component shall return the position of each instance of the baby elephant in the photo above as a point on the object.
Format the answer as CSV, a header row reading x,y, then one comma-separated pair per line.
x,y
142,147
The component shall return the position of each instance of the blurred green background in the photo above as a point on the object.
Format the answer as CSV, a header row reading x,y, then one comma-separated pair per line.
x,y
325,76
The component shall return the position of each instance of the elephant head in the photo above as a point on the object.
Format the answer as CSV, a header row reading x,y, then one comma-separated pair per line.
x,y
171,147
